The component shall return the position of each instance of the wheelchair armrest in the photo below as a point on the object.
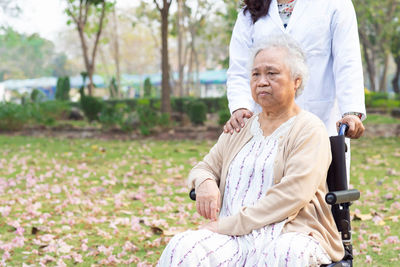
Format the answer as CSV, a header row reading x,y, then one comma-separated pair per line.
x,y
343,196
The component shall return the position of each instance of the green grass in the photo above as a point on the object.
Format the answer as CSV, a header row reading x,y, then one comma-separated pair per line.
x,y
84,197
381,119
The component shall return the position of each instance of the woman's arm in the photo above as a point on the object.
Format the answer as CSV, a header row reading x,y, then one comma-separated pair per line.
x,y
205,177
305,169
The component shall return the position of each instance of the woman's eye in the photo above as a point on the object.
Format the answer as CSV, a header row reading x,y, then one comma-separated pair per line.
x,y
271,73
255,74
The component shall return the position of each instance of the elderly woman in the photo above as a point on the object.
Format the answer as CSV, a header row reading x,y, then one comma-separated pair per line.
x,y
267,182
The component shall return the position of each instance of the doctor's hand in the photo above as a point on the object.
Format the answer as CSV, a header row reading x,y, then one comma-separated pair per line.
x,y
356,127
236,122
208,199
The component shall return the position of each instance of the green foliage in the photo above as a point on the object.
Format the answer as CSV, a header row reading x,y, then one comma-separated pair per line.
x,y
12,117
27,56
381,100
165,120
381,119
147,87
197,112
147,116
113,87
16,117
386,103
37,96
223,116
180,104
62,89
111,116
91,107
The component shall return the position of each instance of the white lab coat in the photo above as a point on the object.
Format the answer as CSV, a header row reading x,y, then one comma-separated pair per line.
x,y
327,32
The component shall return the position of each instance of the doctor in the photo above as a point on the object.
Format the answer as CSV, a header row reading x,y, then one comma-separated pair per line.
x,y
327,32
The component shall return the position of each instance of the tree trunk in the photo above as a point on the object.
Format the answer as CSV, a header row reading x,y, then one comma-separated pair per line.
x,y
116,54
180,63
166,90
382,83
395,81
369,61
90,73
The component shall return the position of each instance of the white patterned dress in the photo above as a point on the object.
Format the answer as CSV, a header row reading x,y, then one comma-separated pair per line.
x,y
249,176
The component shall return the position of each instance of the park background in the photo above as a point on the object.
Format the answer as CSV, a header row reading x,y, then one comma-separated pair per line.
x,y
106,105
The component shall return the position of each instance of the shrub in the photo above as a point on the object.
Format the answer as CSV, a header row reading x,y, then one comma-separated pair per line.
x,y
197,112
164,120
62,88
91,107
49,111
113,87
12,116
147,116
388,104
181,104
147,87
110,116
37,96
224,115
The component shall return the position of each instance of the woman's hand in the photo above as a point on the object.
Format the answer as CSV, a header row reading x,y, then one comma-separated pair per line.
x,y
208,199
236,122
356,127
212,226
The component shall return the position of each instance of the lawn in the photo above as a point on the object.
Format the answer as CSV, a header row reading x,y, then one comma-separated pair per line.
x,y
102,203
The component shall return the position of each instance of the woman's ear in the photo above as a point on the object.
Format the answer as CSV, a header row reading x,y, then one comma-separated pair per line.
x,y
297,83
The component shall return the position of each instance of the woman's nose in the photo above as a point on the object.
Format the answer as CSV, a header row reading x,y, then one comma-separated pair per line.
x,y
263,80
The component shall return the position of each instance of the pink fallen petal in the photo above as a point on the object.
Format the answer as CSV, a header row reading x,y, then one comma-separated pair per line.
x,y
368,259
392,240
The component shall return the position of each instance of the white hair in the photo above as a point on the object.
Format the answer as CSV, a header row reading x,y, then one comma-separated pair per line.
x,y
295,59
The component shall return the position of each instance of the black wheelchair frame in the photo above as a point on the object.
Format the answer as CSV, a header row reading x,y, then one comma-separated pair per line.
x,y
339,196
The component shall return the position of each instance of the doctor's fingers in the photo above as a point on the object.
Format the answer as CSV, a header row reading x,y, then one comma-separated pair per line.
x,y
359,130
231,125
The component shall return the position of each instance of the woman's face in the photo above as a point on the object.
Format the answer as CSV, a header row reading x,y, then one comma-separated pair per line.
x,y
272,86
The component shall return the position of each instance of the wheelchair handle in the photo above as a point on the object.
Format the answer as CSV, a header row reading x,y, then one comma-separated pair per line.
x,y
192,194
343,129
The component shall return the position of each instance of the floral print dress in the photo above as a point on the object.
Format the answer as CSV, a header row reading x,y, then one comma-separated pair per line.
x,y
250,175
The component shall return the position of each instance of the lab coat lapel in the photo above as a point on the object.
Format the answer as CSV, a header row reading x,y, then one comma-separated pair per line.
x,y
274,14
298,11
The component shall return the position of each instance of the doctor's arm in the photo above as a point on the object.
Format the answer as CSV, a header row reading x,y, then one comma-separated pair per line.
x,y
241,104
347,68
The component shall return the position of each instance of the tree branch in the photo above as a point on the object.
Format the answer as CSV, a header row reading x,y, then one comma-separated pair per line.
x,y
158,7
96,42
86,13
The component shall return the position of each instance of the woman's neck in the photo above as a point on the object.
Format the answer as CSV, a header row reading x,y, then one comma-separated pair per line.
x,y
271,120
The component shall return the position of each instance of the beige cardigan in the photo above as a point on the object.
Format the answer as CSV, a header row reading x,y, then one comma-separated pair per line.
x,y
299,189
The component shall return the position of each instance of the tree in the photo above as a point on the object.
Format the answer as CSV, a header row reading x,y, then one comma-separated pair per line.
x,y
395,48
10,7
376,24
27,56
81,11
166,89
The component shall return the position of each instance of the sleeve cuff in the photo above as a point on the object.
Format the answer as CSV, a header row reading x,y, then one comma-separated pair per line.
x,y
360,115
243,104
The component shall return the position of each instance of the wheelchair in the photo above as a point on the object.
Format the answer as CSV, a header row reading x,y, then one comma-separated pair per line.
x,y
339,196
